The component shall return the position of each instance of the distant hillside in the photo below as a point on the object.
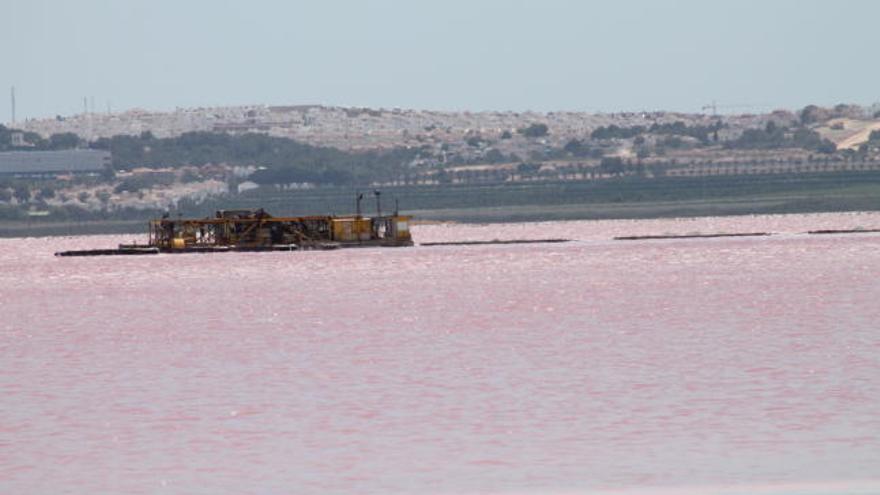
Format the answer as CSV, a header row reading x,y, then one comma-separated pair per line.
x,y
360,128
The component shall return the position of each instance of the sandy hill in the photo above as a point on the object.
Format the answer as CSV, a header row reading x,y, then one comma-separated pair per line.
x,y
848,133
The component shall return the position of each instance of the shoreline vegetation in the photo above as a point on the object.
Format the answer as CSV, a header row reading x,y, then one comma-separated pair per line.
x,y
624,198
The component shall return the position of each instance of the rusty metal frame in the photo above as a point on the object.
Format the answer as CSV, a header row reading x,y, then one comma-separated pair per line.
x,y
261,230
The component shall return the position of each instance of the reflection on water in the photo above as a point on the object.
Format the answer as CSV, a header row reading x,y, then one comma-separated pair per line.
x,y
592,366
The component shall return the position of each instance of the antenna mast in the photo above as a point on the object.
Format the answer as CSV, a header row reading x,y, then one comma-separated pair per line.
x,y
12,94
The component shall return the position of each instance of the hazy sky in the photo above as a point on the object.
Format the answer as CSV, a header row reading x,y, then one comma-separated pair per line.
x,y
450,54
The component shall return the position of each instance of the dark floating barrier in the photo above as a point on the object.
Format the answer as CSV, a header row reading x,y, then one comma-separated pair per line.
x,y
135,250
478,243
844,231
688,236
111,252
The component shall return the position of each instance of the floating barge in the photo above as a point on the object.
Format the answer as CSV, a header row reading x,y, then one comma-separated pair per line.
x,y
256,230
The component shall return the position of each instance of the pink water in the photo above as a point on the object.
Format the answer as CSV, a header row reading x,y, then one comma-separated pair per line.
x,y
736,365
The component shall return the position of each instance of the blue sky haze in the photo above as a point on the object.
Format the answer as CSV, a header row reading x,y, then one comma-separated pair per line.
x,y
446,55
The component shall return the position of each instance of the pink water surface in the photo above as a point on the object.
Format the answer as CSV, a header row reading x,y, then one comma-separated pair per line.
x,y
596,366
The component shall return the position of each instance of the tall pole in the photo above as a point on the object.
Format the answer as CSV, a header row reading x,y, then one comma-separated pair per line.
x,y
12,94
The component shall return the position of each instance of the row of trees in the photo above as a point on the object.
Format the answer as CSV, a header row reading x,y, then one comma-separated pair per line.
x,y
34,141
283,160
773,136
704,133
812,114
71,212
26,191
